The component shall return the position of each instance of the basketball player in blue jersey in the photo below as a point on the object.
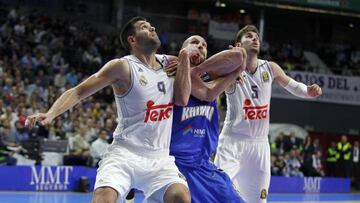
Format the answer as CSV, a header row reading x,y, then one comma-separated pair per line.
x,y
244,151
144,96
195,128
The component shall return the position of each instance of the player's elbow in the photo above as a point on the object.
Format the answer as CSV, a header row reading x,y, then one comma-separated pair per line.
x,y
181,101
76,93
236,56
208,97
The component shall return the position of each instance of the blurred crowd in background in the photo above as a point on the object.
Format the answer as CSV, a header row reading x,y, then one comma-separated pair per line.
x,y
43,56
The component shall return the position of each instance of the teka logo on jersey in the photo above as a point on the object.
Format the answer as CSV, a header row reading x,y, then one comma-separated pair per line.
x,y
51,178
193,111
157,112
254,112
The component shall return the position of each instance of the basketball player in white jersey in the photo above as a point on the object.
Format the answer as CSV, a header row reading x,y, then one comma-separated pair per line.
x,y
139,155
244,151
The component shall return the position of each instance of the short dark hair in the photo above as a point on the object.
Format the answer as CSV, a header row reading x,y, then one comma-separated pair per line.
x,y
102,129
244,30
127,30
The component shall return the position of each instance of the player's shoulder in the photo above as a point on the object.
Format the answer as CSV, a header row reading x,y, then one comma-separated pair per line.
x,y
275,69
115,68
263,62
128,58
270,63
118,63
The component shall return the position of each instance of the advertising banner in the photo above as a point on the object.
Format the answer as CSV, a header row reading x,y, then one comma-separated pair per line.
x,y
280,184
44,178
335,88
224,31
66,178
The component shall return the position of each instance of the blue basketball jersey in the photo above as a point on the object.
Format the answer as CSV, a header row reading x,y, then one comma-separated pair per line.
x,y
194,139
195,131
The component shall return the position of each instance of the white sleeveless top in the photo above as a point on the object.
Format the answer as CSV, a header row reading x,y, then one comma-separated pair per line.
x,y
145,110
248,105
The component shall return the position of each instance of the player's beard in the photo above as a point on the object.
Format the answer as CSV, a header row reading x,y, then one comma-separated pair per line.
x,y
147,44
196,60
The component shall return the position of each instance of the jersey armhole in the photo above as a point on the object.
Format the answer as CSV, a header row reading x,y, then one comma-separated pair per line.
x,y
231,89
131,82
270,70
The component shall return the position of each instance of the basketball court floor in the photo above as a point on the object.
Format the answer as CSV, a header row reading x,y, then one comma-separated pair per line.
x,y
51,197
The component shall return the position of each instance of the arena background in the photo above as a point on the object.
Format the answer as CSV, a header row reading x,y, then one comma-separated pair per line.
x,y
48,46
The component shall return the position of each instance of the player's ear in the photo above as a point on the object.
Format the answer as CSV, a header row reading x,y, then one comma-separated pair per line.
x,y
238,44
131,39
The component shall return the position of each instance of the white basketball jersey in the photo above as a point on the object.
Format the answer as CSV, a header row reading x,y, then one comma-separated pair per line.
x,y
145,110
248,105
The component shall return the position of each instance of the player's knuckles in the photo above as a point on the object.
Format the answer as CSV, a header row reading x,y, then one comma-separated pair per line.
x,y
170,66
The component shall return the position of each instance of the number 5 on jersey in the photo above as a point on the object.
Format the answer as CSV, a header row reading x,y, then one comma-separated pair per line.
x,y
254,94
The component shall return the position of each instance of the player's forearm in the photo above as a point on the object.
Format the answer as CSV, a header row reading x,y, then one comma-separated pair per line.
x,y
297,89
216,89
66,101
220,85
210,91
221,63
182,86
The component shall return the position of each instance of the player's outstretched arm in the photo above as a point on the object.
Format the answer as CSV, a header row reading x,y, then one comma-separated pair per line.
x,y
222,63
111,72
296,88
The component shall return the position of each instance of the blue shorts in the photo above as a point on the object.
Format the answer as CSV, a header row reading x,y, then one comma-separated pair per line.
x,y
207,183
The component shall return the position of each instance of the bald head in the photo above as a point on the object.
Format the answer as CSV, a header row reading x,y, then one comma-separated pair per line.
x,y
193,38
199,43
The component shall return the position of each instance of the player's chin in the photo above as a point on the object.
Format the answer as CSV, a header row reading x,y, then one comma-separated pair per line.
x,y
196,60
255,50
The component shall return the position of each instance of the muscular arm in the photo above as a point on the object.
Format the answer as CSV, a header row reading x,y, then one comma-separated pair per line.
x,y
110,73
107,75
182,84
210,91
222,63
279,75
296,88
234,59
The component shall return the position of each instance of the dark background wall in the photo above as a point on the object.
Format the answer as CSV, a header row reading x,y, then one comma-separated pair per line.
x,y
317,116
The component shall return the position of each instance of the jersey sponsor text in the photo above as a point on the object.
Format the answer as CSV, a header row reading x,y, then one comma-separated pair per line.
x,y
157,112
254,112
190,112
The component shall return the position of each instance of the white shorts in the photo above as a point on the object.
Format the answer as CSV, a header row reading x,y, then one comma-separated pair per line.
x,y
248,165
122,170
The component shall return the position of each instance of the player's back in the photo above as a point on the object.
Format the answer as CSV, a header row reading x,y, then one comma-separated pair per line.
x,y
195,131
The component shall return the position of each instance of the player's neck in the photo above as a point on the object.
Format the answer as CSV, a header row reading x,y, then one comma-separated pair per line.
x,y
251,63
147,59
